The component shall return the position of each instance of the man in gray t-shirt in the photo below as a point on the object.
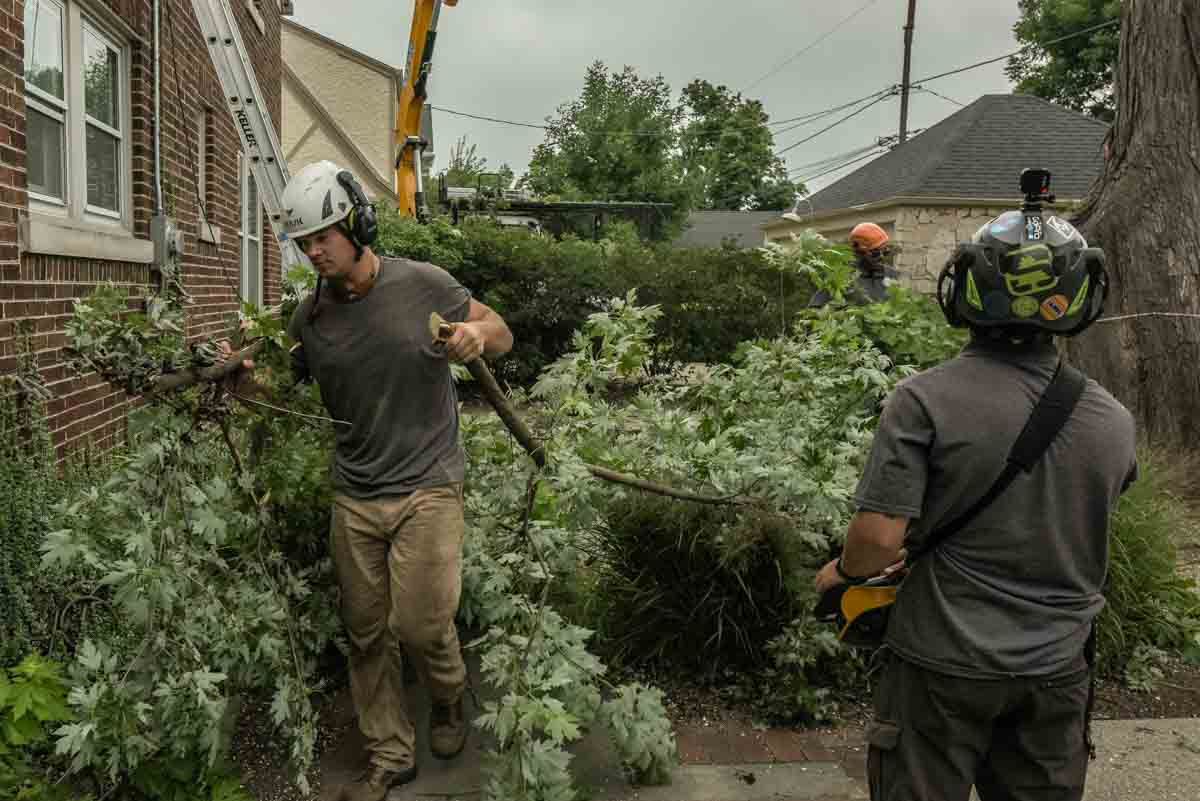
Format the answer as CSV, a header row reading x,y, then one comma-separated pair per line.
x,y
397,524
986,681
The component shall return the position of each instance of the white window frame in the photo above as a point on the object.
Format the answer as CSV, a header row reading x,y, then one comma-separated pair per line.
x,y
73,209
59,110
245,215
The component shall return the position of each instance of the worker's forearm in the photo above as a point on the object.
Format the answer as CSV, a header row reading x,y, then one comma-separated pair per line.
x,y
497,339
865,556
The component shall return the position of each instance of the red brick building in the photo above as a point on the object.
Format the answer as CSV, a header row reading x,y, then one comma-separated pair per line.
x,y
77,188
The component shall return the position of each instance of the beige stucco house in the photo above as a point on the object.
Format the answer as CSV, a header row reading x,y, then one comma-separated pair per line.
x,y
939,187
340,104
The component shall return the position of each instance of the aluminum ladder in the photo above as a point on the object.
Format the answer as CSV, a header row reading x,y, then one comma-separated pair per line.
x,y
251,117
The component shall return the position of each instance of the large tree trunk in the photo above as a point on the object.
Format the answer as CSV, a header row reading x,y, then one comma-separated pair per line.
x,y
1145,213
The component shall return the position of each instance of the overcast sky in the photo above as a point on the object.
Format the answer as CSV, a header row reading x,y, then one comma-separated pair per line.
x,y
520,59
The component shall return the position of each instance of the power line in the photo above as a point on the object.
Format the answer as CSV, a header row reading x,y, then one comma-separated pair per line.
x,y
843,165
749,126
1018,52
809,46
939,94
490,119
828,111
832,159
836,124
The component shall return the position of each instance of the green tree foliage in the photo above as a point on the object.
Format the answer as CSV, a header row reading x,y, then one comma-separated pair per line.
x,y
1077,72
728,152
710,300
467,168
617,142
33,699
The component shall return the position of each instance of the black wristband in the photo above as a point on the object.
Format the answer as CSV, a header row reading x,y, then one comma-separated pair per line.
x,y
846,577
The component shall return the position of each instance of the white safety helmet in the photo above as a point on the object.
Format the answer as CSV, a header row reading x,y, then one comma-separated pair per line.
x,y
323,194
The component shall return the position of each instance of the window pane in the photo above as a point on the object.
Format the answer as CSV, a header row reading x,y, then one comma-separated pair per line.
x,y
103,166
44,47
100,76
44,160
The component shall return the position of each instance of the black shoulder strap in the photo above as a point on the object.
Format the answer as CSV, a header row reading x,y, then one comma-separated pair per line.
x,y
1050,414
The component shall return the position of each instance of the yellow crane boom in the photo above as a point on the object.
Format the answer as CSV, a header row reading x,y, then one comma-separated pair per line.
x,y
409,187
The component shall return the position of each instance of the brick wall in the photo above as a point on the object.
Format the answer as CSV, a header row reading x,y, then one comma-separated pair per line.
x,y
41,289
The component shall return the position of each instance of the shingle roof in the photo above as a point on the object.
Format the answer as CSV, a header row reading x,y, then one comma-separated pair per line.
x,y
708,229
979,152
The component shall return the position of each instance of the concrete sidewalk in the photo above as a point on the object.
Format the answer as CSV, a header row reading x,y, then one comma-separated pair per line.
x,y
1137,760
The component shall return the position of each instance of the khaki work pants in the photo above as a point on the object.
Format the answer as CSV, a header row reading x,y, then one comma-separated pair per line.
x,y
399,565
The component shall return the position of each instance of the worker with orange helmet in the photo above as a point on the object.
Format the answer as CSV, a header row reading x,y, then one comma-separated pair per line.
x,y
870,244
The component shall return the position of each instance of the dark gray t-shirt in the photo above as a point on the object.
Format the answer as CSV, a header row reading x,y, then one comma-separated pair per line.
x,y
1014,592
377,369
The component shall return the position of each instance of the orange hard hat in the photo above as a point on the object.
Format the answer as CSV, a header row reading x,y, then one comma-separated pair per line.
x,y
868,236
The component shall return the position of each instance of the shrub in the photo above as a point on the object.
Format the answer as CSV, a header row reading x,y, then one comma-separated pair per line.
x,y
698,586
710,300
29,484
1149,606
44,610
32,699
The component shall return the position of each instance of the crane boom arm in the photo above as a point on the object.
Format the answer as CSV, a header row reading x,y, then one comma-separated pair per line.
x,y
409,184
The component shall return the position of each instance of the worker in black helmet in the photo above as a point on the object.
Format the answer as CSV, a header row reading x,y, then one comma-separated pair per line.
x,y
987,659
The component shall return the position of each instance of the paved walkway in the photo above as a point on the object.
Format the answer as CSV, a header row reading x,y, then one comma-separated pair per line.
x,y
1138,760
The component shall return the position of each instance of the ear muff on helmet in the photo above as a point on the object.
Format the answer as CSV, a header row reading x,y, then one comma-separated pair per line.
x,y
952,279
362,224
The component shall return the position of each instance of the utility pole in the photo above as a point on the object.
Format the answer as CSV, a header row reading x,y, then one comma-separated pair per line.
x,y
904,86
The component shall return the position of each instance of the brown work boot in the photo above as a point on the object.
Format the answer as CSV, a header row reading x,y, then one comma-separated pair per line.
x,y
374,783
447,729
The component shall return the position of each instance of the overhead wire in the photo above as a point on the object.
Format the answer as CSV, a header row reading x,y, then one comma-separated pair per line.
x,y
810,45
832,159
836,124
843,165
805,118
1019,51
939,94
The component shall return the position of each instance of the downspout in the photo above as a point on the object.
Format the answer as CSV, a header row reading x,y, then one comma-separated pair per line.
x,y
158,191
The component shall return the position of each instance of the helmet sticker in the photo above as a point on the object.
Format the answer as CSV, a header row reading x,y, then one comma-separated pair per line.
x,y
1055,307
973,292
1031,276
1025,307
327,207
1062,226
1080,297
1033,227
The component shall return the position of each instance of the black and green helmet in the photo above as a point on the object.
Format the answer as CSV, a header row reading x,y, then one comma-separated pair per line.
x,y
1025,271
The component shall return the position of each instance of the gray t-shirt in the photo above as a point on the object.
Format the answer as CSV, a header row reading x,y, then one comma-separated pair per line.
x,y
1014,592
377,369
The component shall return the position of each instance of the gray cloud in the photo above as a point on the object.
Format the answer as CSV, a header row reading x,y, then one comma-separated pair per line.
x,y
520,59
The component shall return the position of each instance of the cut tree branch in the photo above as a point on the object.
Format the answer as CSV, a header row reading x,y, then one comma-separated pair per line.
x,y
186,378
442,330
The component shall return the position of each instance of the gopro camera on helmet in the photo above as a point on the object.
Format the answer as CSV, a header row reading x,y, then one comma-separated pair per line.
x,y
1035,186
1025,272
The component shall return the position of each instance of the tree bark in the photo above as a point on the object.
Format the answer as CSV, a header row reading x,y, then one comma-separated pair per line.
x,y
1145,213
186,378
